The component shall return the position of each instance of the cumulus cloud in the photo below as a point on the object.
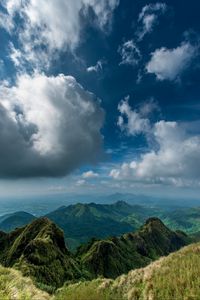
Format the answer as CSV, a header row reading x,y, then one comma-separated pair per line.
x,y
48,126
170,63
172,158
50,26
130,53
131,121
149,17
90,174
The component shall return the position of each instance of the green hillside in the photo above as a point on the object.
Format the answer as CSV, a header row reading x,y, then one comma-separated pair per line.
x,y
81,222
101,221
173,277
18,219
117,255
39,251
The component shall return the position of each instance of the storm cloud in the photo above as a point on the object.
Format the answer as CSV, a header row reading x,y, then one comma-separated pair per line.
x,y
48,126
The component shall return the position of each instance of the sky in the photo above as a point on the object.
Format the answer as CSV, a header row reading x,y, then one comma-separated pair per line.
x,y
98,97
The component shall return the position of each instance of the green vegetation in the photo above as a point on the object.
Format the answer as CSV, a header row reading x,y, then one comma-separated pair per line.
x,y
185,219
39,251
104,220
92,220
176,276
87,290
17,219
114,256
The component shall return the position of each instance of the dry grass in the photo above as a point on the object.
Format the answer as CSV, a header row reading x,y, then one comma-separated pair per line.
x,y
13,286
175,277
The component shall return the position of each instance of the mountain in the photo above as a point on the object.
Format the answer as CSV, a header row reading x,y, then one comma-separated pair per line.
x,y
173,277
18,219
185,219
81,222
117,255
39,251
104,220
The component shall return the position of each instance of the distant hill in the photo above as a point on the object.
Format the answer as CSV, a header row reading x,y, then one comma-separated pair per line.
x,y
117,255
104,220
81,222
187,219
18,219
173,277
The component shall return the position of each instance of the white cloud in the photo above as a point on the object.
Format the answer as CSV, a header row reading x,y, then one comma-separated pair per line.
x,y
6,22
48,127
130,120
90,174
149,17
172,158
16,56
96,68
130,53
81,182
148,107
170,63
50,26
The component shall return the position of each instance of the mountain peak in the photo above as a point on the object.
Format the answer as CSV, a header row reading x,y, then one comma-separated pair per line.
x,y
131,250
38,249
154,221
121,203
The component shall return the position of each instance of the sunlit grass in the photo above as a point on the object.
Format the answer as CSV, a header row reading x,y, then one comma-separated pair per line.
x,y
174,277
14,286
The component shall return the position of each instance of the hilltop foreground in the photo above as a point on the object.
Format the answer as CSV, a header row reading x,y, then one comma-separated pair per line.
x,y
14,286
176,276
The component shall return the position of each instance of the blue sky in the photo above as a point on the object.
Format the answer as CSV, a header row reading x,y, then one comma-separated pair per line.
x,y
99,97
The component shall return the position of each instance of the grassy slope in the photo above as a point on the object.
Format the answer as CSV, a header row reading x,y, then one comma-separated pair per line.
x,y
176,276
14,286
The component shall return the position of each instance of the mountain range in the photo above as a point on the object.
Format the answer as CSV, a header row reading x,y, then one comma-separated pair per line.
x,y
131,266
81,222
38,250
